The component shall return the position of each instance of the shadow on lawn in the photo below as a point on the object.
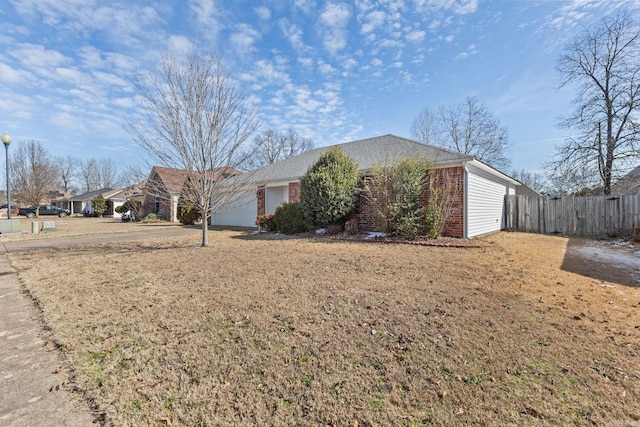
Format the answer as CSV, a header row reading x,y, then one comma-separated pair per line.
x,y
601,262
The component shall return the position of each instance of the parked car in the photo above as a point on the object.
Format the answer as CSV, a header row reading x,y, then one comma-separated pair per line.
x,y
30,212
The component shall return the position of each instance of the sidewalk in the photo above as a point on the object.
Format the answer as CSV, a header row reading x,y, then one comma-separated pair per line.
x,y
33,381
33,394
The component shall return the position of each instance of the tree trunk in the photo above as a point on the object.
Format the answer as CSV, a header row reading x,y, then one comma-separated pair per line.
x,y
205,234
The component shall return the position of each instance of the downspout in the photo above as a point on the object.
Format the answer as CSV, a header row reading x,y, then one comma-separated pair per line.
x,y
465,201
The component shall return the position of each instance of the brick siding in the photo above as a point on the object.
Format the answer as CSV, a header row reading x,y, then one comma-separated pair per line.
x,y
454,226
294,191
260,203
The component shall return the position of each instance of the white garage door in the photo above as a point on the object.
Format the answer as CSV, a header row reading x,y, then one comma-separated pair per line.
x,y
242,216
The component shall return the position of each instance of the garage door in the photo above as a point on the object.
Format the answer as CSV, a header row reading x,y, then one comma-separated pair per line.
x,y
242,216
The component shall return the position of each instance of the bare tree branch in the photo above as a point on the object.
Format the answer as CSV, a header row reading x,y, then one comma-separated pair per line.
x,y
468,128
34,174
603,64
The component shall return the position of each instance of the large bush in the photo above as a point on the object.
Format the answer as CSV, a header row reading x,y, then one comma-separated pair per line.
x,y
329,190
289,218
99,204
394,190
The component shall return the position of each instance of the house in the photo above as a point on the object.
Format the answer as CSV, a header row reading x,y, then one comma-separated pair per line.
x,y
628,185
163,188
477,210
162,191
82,202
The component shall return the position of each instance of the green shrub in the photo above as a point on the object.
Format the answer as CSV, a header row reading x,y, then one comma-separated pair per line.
x,y
329,190
394,191
99,204
120,209
188,215
289,218
266,222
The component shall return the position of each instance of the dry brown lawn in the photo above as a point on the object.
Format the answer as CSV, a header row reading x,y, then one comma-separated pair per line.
x,y
252,331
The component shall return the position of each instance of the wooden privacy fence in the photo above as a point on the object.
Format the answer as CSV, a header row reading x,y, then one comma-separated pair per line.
x,y
597,216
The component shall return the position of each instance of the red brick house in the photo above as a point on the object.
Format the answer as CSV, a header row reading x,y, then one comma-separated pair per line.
x,y
477,208
164,185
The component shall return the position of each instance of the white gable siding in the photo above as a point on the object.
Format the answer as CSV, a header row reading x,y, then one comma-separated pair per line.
x,y
485,202
244,215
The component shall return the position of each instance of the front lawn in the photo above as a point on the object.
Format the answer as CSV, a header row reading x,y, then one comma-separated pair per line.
x,y
252,331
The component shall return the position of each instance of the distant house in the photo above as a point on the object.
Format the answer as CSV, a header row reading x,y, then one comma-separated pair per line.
x,y
627,185
525,190
162,191
82,202
478,207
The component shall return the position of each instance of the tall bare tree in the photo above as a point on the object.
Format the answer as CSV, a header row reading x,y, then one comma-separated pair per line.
x,y
468,128
67,168
271,146
34,173
603,64
532,180
195,119
106,173
87,174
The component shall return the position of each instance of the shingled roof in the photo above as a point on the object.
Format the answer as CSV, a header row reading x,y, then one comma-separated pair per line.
x,y
628,184
172,179
366,153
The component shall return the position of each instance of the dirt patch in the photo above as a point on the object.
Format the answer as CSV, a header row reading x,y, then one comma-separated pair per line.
x,y
315,332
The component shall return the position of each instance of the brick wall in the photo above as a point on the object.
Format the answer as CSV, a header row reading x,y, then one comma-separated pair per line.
x,y
294,191
260,203
450,178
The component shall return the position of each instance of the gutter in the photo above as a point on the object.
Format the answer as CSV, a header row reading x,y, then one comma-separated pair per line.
x,y
465,212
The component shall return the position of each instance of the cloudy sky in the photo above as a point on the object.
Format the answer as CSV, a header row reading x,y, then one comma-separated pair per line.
x,y
334,71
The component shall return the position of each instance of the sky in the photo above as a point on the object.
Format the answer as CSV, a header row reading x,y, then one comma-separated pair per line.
x,y
334,71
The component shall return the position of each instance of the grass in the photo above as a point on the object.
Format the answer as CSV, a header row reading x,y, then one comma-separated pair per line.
x,y
312,332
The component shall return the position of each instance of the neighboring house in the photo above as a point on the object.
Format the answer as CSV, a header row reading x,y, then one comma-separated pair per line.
x,y
628,185
163,188
162,191
477,210
82,202
525,190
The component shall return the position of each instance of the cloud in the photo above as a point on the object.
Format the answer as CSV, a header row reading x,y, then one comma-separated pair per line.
x,y
11,75
459,7
415,36
38,58
263,12
292,33
372,21
179,45
244,38
335,19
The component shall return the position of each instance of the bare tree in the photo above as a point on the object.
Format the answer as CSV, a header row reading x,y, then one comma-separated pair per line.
x,y
603,64
67,168
271,146
426,127
88,174
106,173
195,119
34,173
533,180
468,128
133,175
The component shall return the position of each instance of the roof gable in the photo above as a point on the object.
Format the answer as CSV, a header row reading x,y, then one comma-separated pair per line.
x,y
366,153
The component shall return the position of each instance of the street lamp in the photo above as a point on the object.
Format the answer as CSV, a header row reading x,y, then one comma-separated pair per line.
x,y
6,140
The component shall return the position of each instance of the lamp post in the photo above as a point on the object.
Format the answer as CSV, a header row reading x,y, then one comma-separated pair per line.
x,y
6,140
